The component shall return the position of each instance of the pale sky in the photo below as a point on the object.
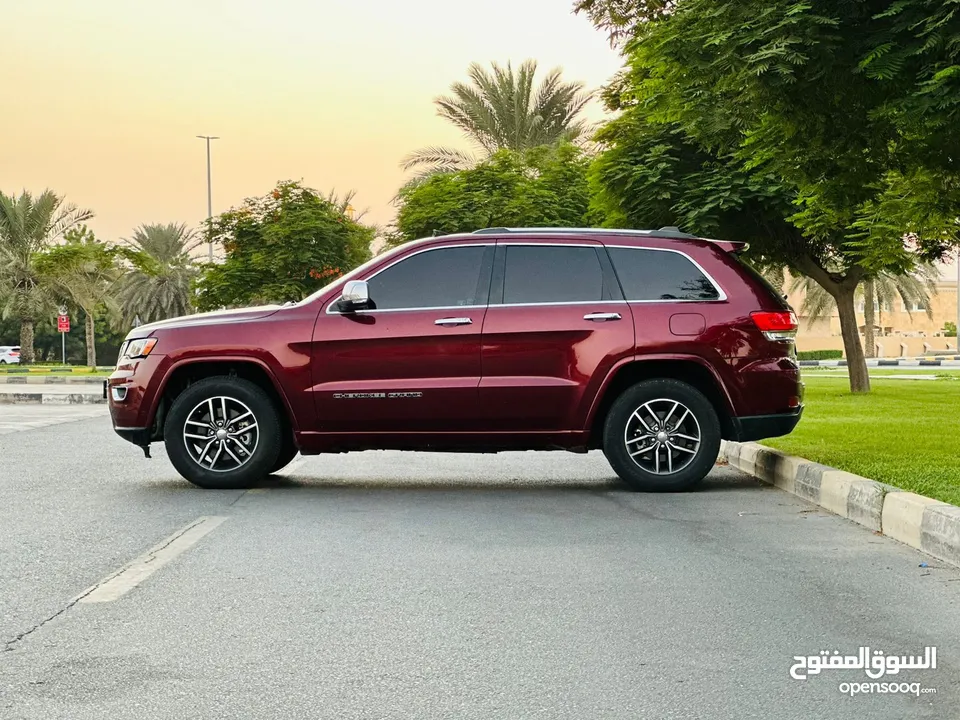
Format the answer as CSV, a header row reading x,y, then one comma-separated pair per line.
x,y
103,98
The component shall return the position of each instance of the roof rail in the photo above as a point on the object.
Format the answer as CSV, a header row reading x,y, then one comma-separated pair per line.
x,y
667,232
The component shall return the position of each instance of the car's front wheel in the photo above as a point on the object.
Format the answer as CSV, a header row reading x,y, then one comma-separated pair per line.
x,y
662,436
223,432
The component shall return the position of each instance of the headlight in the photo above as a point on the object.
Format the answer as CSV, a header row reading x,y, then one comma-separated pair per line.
x,y
139,348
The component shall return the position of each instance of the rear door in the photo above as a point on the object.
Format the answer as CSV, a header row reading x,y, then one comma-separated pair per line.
x,y
557,323
413,363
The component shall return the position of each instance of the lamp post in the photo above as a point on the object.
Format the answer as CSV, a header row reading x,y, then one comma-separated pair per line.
x,y
208,138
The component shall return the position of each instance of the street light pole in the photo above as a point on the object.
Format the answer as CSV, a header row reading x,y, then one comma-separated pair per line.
x,y
208,138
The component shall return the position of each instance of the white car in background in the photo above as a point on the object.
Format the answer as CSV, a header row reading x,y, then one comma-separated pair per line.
x,y
9,354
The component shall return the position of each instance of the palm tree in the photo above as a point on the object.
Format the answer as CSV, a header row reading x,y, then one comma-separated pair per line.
x,y
28,225
877,291
160,282
83,271
500,109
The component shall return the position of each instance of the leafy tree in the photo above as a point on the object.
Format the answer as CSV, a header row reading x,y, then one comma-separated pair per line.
x,y
28,225
84,271
159,283
281,247
760,117
503,109
543,187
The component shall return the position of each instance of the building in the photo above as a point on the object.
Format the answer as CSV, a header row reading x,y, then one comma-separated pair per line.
x,y
899,331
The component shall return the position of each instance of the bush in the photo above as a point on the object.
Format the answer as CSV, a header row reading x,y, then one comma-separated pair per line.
x,y
819,354
949,329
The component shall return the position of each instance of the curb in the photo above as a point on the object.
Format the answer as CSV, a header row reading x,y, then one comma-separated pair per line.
x,y
40,398
923,523
48,380
945,361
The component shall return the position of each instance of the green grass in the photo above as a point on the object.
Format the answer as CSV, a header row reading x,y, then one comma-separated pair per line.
x,y
904,433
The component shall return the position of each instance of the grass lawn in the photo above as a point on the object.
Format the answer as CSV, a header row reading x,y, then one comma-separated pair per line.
x,y
904,433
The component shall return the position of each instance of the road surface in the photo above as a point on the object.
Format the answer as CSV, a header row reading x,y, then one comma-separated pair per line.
x,y
388,585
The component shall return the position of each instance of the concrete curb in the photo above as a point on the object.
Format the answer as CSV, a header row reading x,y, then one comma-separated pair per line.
x,y
51,380
948,361
41,398
928,525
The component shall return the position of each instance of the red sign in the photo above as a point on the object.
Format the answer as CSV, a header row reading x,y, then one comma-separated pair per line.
x,y
63,323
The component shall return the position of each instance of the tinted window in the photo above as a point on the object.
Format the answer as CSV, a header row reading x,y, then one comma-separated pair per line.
x,y
436,278
659,275
551,274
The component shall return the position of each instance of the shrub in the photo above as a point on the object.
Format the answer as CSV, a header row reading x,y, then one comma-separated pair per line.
x,y
819,354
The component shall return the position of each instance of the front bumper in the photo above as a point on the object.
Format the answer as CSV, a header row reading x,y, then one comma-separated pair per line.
x,y
759,427
137,436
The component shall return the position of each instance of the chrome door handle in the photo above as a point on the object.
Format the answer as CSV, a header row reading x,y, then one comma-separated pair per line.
x,y
452,322
601,317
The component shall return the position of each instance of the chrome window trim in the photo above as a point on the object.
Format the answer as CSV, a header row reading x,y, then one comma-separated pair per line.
x,y
334,302
722,296
597,244
559,304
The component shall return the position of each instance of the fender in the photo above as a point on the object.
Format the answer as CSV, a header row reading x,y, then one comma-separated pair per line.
x,y
206,360
638,359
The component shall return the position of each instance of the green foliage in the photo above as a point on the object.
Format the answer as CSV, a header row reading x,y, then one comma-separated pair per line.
x,y
281,247
791,125
949,329
819,354
542,187
28,225
159,280
503,109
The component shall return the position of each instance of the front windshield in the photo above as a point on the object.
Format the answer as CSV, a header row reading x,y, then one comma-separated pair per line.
x,y
354,273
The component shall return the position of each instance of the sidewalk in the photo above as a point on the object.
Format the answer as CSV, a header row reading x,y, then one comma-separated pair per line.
x,y
58,394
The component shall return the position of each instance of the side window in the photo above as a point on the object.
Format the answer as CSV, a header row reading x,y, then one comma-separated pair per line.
x,y
446,277
659,275
552,273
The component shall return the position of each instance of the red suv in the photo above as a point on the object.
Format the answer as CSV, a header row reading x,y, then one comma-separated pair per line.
x,y
648,345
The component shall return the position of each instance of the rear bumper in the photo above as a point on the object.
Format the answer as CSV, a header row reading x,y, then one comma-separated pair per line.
x,y
758,427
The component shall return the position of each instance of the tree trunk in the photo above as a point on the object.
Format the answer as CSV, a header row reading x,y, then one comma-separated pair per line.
x,y
91,337
869,317
26,342
856,363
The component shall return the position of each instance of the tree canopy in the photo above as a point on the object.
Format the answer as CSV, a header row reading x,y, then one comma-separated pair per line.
x,y
281,247
543,187
783,123
503,108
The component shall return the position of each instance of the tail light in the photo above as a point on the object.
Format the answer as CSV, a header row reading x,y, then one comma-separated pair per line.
x,y
777,326
14,353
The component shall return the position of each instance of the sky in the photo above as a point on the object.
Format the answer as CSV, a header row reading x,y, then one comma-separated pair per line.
x,y
104,98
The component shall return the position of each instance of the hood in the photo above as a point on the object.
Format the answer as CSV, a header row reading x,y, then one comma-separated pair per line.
x,y
219,317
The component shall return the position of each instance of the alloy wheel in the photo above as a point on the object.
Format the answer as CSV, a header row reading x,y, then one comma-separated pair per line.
x,y
662,436
221,434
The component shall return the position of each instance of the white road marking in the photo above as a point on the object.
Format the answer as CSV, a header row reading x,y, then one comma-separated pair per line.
x,y
147,564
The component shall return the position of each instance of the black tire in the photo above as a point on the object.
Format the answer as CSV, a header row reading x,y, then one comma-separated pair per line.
x,y
238,394
288,451
624,432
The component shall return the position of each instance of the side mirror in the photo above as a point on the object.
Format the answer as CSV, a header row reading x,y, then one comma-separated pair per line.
x,y
356,296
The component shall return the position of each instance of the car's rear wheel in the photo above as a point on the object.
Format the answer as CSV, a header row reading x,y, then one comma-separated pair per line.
x,y
662,436
223,432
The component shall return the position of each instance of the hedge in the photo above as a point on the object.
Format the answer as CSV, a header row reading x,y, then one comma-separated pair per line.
x,y
819,354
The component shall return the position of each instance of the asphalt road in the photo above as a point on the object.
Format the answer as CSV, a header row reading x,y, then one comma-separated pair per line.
x,y
387,585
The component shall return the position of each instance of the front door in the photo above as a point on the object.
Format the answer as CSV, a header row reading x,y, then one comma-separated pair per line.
x,y
411,364
556,325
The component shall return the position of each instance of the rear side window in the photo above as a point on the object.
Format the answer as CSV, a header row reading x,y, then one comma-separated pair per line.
x,y
651,275
551,274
